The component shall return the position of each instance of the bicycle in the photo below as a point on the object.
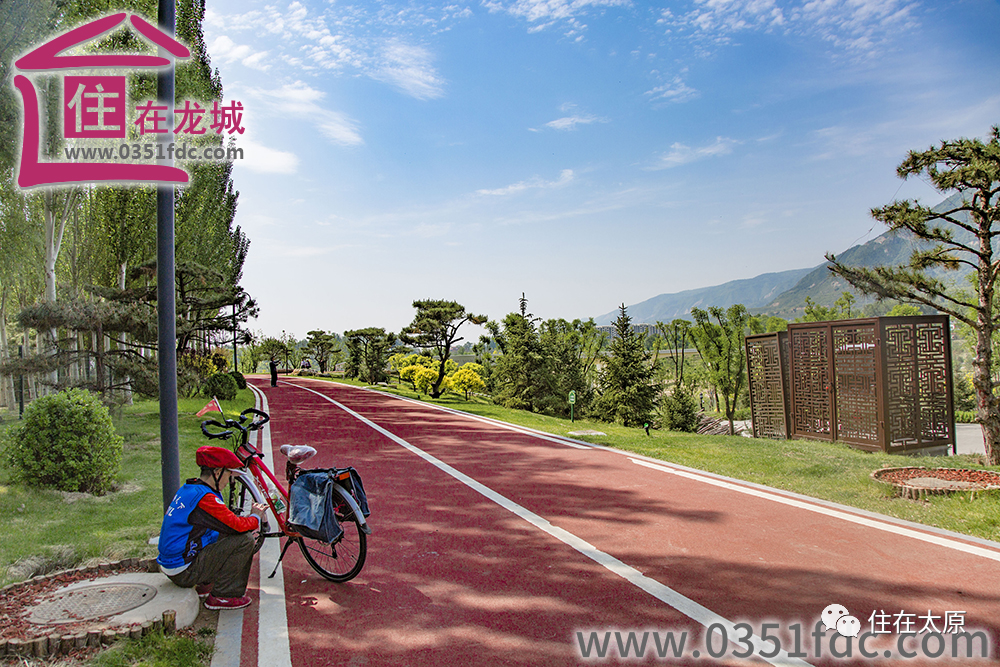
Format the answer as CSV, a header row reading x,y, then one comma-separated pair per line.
x,y
340,560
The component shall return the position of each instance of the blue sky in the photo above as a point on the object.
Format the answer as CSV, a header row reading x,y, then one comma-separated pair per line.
x,y
585,153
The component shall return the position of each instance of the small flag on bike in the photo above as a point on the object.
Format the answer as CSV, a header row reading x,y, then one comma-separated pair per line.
x,y
212,405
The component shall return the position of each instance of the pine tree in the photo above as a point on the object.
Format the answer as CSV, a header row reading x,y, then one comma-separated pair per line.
x,y
626,383
961,231
435,327
519,373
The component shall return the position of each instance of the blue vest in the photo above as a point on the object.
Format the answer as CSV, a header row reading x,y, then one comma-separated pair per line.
x,y
180,539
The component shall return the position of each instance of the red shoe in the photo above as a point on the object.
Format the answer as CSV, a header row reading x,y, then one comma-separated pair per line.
x,y
203,590
227,603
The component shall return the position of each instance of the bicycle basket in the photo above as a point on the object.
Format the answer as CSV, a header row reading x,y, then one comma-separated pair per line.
x,y
310,506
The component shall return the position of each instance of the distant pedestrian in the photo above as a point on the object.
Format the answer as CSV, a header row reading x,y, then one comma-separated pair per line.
x,y
274,372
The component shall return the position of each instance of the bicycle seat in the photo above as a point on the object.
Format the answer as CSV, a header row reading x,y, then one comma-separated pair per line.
x,y
298,453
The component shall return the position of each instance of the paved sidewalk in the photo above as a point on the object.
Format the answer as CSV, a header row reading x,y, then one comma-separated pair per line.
x,y
969,439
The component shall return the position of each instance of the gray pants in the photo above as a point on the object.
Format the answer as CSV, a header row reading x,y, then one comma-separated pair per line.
x,y
225,564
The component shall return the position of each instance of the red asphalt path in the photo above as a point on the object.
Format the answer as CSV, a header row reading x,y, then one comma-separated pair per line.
x,y
618,542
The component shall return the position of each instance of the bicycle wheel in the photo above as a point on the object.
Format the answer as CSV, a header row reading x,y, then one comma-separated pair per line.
x,y
240,503
343,559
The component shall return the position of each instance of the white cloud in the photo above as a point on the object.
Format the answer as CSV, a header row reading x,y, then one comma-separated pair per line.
x,y
409,69
549,11
301,101
677,91
565,177
570,123
680,154
373,41
263,160
856,26
225,49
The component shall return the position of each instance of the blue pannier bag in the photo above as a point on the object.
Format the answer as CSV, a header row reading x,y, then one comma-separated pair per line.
x,y
356,489
315,506
311,506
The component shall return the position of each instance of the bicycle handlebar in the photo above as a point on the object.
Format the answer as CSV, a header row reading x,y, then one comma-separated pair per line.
x,y
255,424
225,435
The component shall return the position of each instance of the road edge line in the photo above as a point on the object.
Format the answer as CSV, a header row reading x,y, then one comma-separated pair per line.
x,y
273,648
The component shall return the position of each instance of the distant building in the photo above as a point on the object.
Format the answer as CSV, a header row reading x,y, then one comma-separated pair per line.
x,y
649,329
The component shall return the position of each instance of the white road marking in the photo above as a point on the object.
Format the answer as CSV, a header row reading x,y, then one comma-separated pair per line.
x,y
228,638
819,509
665,594
272,622
541,435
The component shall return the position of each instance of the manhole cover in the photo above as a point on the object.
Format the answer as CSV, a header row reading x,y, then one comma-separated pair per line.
x,y
87,602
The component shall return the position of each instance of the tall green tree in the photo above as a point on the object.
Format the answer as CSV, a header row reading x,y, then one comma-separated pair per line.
x,y
518,373
569,349
626,383
840,310
435,328
960,232
368,352
721,346
677,336
321,345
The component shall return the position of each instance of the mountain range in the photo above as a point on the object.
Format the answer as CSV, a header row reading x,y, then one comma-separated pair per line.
x,y
784,293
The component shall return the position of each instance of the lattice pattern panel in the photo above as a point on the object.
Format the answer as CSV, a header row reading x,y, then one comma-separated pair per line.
x,y
917,383
856,389
811,409
766,391
901,384
932,382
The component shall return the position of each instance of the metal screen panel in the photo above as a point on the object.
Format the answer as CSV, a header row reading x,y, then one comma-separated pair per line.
x,y
767,394
856,389
918,391
812,408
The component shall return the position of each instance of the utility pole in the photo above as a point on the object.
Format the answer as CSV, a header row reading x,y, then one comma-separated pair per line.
x,y
165,294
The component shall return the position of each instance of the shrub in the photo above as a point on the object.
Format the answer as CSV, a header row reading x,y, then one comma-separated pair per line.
x,y
241,382
467,380
965,417
221,385
680,411
66,441
423,378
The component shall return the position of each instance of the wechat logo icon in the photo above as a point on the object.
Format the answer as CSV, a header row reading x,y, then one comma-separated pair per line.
x,y
836,617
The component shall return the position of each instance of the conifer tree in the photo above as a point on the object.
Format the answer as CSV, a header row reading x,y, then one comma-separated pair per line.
x,y
435,327
519,372
626,383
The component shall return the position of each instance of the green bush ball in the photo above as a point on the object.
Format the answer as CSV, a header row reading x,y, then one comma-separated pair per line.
x,y
66,441
221,385
241,382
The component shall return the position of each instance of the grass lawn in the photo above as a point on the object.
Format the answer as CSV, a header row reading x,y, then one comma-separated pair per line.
x,y
46,530
828,471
